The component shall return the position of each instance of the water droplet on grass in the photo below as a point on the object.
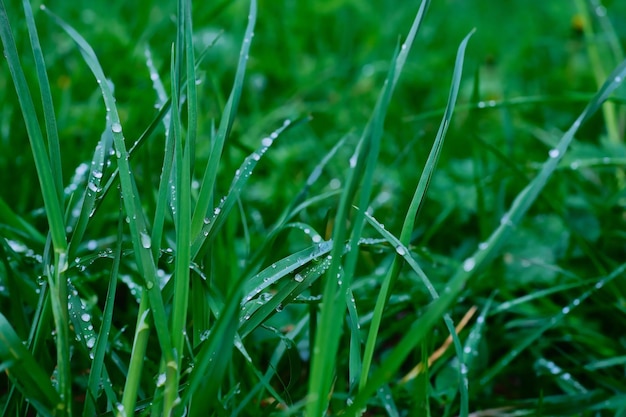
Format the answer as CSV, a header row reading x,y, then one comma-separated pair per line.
x,y
298,278
91,342
400,250
146,242
469,264
116,128
85,317
554,153
267,141
92,187
565,310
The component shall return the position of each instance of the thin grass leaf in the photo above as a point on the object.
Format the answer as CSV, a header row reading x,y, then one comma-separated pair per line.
x,y
413,211
99,352
45,173
52,202
486,250
362,165
138,227
26,374
54,149
212,224
258,311
11,221
182,203
86,204
207,183
295,206
403,252
528,340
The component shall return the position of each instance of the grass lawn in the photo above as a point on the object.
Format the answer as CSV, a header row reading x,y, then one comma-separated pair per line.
x,y
332,207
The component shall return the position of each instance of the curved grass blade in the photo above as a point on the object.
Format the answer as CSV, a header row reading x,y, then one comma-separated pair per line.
x,y
257,311
485,252
360,176
138,228
403,252
97,364
521,345
207,183
285,266
54,149
26,374
87,202
47,173
295,206
212,224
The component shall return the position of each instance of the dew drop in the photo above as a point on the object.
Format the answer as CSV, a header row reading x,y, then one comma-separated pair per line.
x,y
207,220
149,285
85,317
267,141
565,310
298,278
91,342
116,128
483,245
554,153
469,264
217,211
145,240
400,250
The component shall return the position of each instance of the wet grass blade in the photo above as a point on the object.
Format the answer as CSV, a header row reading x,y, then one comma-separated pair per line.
x,y
486,251
48,175
97,364
26,374
207,183
184,58
362,165
212,223
134,212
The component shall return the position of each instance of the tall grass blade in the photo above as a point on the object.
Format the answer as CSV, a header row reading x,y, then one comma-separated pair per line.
x,y
207,183
486,250
407,228
48,180
360,176
97,364
26,374
130,195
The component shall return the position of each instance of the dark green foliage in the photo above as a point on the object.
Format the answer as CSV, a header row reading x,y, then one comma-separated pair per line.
x,y
224,208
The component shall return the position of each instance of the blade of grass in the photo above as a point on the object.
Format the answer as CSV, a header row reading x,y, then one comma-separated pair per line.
x,y
182,204
97,364
404,253
407,229
207,183
138,228
54,149
212,224
485,252
48,180
26,374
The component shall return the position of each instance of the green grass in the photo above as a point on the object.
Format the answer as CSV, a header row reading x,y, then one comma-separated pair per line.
x,y
312,208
